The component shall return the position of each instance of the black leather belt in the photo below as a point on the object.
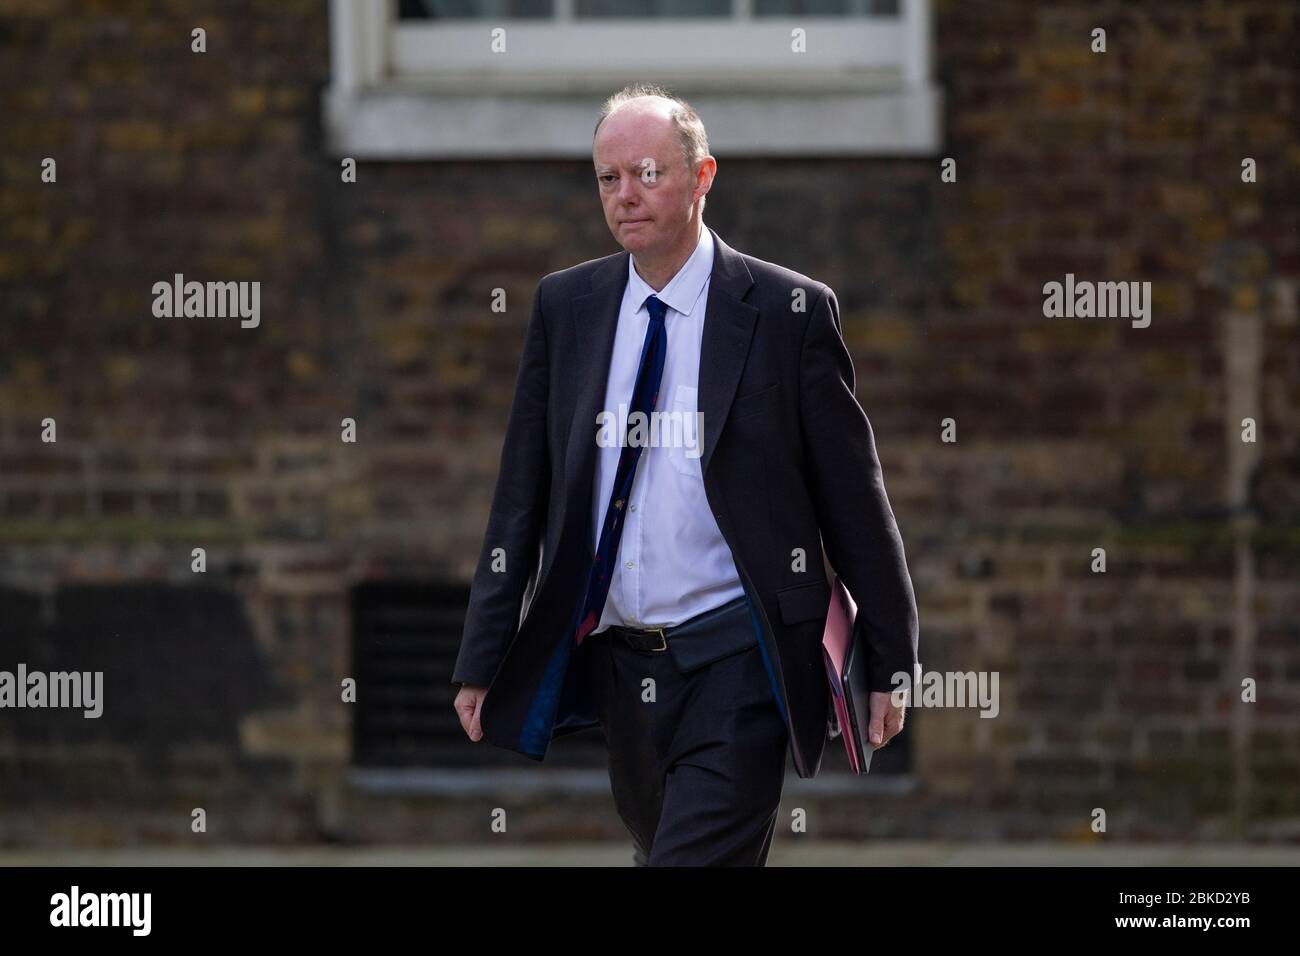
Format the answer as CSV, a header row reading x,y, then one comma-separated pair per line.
x,y
703,639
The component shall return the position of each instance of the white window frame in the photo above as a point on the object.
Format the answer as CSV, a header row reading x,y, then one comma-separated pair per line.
x,y
423,90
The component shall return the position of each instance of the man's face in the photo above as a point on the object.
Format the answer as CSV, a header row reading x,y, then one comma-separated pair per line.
x,y
645,186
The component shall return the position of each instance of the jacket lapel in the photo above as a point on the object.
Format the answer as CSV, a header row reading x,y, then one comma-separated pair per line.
x,y
595,320
728,329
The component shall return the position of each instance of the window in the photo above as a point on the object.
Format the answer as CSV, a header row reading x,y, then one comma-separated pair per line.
x,y
429,79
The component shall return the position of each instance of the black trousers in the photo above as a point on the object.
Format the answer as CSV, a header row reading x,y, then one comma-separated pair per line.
x,y
696,760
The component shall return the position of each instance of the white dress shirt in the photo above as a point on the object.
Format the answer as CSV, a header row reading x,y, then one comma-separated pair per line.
x,y
672,560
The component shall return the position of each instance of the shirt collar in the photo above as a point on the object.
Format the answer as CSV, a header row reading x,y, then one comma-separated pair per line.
x,y
684,288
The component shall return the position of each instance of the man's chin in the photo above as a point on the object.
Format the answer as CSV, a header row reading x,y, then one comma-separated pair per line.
x,y
634,243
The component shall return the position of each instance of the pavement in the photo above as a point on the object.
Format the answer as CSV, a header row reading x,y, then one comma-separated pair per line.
x,y
790,852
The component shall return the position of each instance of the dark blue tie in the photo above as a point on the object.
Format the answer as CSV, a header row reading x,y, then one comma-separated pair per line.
x,y
645,396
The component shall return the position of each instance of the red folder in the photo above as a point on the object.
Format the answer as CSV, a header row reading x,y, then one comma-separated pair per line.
x,y
846,669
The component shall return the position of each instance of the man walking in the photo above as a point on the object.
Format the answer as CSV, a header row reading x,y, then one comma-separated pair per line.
x,y
673,590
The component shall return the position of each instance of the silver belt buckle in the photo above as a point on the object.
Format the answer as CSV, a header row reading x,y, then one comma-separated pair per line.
x,y
663,640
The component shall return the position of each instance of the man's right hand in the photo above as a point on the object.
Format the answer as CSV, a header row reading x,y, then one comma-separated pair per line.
x,y
468,704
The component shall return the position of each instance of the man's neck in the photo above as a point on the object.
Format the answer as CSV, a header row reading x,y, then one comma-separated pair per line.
x,y
658,273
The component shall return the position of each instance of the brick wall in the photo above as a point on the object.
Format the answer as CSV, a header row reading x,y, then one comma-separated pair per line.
x,y
1119,690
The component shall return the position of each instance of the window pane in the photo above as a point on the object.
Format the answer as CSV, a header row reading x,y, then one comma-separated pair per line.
x,y
474,9
826,8
636,9
652,9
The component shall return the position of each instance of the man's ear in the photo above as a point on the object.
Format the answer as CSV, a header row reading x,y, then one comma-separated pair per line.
x,y
706,173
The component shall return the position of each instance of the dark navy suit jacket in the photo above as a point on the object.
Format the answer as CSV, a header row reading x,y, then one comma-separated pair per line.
x,y
789,462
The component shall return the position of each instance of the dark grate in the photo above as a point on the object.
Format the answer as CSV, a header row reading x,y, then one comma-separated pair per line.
x,y
405,639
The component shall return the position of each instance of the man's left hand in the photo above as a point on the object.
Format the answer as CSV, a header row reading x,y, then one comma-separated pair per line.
x,y
886,718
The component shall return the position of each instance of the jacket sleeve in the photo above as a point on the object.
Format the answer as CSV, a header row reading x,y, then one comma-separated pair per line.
x,y
517,518
847,487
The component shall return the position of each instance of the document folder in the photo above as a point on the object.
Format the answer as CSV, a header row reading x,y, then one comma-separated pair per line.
x,y
845,654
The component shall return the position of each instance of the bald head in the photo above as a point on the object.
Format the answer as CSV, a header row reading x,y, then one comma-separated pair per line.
x,y
648,101
644,132
646,112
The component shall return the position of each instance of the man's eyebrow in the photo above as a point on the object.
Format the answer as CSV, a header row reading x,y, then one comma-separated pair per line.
x,y
631,164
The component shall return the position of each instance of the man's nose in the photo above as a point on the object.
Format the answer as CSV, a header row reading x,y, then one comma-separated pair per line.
x,y
628,189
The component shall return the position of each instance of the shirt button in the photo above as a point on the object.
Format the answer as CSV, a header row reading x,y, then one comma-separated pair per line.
x,y
629,564
632,508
